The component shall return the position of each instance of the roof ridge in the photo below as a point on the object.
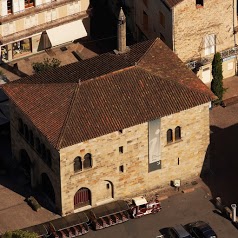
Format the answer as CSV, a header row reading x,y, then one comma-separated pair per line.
x,y
67,117
152,44
108,74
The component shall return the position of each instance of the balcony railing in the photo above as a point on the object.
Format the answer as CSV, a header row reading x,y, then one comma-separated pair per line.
x,y
206,60
229,52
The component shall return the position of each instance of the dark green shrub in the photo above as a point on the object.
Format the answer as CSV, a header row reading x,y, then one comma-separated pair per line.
x,y
19,234
33,203
217,82
45,65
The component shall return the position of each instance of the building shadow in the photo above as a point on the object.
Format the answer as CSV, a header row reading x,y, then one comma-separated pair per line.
x,y
220,167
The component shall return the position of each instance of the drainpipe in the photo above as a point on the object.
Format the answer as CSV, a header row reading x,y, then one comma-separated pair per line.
x,y
173,35
235,19
233,206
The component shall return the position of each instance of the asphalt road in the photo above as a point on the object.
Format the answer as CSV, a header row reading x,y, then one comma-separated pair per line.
x,y
178,209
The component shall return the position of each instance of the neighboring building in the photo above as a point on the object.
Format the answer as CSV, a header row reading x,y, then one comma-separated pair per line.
x,y
110,127
193,29
30,26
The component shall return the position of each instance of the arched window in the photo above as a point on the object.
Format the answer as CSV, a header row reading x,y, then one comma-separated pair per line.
x,y
26,132
38,146
178,133
20,126
43,152
87,163
77,164
31,138
48,158
169,135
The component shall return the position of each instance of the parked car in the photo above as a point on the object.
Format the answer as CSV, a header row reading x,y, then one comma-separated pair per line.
x,y
178,231
200,229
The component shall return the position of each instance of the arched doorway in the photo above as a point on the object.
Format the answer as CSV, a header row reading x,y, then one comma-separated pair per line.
x,y
106,190
25,163
47,187
82,198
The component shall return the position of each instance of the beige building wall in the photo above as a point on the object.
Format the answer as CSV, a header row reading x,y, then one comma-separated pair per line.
x,y
136,180
192,24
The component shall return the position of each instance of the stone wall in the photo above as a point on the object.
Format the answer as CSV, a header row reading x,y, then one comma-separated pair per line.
x,y
136,180
38,166
192,24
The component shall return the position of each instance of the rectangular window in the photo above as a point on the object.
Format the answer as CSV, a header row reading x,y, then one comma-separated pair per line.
x,y
121,149
121,168
29,3
210,43
199,3
145,21
162,19
9,6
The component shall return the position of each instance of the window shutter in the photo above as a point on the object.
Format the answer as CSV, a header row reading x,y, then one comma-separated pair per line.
x,y
212,44
16,6
21,5
76,7
54,14
38,2
70,9
4,8
48,16
5,29
12,27
27,22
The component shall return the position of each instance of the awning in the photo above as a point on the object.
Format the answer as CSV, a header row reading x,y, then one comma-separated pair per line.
x,y
139,201
44,41
110,208
67,32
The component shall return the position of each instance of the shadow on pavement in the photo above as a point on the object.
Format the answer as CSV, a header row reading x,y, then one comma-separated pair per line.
x,y
223,162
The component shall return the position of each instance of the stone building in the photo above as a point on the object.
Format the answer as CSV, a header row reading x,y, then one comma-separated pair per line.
x,y
110,127
193,29
30,26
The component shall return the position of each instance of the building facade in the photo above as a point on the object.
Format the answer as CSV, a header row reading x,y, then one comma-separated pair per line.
x,y
190,29
127,127
30,26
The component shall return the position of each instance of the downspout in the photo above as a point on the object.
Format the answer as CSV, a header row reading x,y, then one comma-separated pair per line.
x,y
173,34
234,30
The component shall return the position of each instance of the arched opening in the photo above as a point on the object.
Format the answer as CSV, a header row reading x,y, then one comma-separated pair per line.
x,y
82,198
38,145
47,187
106,189
26,132
48,158
77,164
87,163
25,163
20,126
178,133
31,138
169,135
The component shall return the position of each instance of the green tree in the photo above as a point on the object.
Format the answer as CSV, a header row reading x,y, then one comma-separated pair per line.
x,y
46,65
19,234
217,82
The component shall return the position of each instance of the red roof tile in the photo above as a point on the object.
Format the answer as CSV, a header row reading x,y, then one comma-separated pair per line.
x,y
71,104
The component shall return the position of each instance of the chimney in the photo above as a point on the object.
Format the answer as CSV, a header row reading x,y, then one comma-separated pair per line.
x,y
121,34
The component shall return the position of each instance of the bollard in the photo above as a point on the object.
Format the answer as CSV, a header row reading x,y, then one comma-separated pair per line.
x,y
233,206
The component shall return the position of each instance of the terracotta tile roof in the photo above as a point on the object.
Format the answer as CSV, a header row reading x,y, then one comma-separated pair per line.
x,y
90,68
172,3
114,92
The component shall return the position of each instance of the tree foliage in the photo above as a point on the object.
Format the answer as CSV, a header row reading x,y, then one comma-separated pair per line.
x,y
19,234
217,82
46,65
